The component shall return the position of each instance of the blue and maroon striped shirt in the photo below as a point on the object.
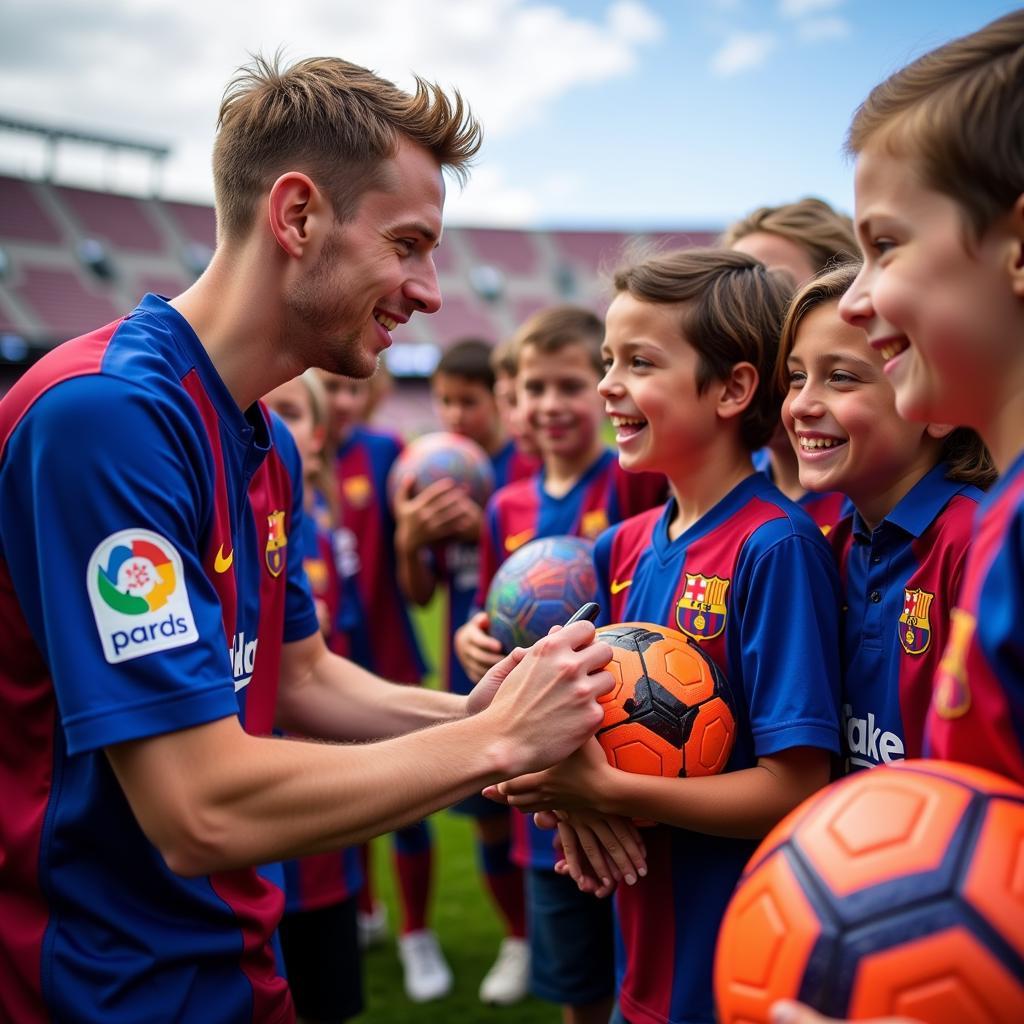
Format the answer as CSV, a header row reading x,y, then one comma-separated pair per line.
x,y
145,587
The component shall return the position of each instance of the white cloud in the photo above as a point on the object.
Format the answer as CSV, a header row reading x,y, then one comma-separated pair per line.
x,y
816,29
634,21
802,8
489,198
157,68
742,51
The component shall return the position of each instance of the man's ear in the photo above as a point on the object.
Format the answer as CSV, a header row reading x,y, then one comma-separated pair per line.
x,y
296,209
939,431
737,391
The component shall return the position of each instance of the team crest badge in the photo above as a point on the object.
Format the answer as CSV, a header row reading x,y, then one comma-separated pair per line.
x,y
594,522
951,697
701,610
357,491
277,542
914,629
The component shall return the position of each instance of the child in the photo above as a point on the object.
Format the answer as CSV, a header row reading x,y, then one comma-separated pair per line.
x,y
902,551
802,239
689,351
580,490
374,629
520,448
319,934
428,551
940,217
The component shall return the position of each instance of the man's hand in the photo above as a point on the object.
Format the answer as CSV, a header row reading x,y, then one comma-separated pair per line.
x,y
476,649
546,707
482,694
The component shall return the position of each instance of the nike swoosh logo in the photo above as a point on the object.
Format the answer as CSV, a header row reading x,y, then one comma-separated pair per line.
x,y
223,562
618,587
517,540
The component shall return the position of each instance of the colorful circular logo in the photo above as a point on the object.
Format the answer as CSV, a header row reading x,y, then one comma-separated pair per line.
x,y
136,579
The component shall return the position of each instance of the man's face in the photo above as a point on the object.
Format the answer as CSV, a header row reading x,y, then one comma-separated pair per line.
x,y
374,270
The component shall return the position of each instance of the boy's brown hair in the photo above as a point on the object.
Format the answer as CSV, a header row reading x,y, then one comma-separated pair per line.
x,y
958,112
823,233
333,120
469,359
964,451
556,328
731,310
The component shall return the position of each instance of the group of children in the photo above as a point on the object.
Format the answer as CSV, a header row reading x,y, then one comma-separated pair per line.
x,y
859,588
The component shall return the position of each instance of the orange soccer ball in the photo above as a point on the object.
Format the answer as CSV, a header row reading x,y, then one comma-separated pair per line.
x,y
898,890
669,712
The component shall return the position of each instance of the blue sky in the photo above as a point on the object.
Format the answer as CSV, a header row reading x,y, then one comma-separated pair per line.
x,y
624,113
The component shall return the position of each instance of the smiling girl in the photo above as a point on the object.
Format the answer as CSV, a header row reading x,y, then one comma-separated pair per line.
x,y
901,552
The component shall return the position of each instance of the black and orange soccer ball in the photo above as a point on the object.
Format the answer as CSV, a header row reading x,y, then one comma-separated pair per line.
x,y
669,712
895,891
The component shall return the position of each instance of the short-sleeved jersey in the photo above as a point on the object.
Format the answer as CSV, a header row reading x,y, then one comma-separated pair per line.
x,y
323,879
977,712
754,583
383,639
145,587
457,565
825,509
899,582
524,511
510,464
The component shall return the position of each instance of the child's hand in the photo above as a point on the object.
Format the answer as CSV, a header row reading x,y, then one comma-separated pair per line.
x,y
440,511
788,1012
569,784
477,650
600,851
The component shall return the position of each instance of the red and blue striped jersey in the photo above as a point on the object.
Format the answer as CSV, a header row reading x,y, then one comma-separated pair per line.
x,y
825,509
323,879
524,511
145,587
977,711
754,583
899,583
374,627
457,565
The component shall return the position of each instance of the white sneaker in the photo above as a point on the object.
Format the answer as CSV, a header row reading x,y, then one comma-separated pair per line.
x,y
508,980
427,974
372,927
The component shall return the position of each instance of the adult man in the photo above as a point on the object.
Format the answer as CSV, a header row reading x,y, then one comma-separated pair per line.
x,y
154,628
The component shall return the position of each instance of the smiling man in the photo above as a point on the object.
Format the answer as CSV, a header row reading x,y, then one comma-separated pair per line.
x,y
156,625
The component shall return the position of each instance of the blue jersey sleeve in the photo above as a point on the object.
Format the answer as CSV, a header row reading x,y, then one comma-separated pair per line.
x,y
789,640
117,479
300,618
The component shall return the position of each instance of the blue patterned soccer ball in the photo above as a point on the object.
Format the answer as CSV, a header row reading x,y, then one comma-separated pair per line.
x,y
443,455
540,586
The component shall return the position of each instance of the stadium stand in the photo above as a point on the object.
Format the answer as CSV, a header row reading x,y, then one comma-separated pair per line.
x,y
72,258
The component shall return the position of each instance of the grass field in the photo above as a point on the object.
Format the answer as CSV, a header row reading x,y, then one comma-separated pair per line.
x,y
462,916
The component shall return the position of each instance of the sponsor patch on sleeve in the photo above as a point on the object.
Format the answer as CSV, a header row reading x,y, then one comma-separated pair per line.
x,y
136,586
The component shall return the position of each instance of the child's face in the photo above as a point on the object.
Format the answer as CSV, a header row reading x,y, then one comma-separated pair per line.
x,y
936,304
650,386
348,399
466,407
556,394
840,414
511,418
294,404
